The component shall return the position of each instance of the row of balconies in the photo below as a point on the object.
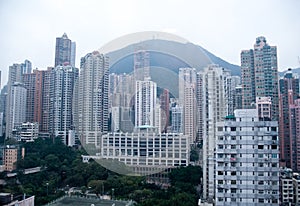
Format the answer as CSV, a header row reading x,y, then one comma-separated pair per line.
x,y
247,151
247,142
248,133
247,169
246,195
247,160
247,178
250,187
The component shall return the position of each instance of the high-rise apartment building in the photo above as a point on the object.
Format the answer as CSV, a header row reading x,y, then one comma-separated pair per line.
x,y
145,103
199,100
65,51
233,82
91,115
73,54
15,74
187,100
247,160
260,75
238,97
294,135
63,79
215,108
164,100
16,110
189,113
177,113
43,86
26,67
186,78
288,93
141,67
38,97
121,99
29,80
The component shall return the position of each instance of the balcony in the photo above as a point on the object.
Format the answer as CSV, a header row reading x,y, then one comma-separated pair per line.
x,y
233,159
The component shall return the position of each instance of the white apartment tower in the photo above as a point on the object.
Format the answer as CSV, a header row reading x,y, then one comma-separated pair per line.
x,y
247,160
92,114
186,78
145,103
189,113
215,108
15,74
16,113
187,99
63,79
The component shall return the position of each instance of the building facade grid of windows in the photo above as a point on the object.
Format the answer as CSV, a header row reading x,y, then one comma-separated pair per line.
x,y
247,160
141,149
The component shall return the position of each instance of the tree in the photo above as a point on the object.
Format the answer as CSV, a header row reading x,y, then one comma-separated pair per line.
x,y
97,186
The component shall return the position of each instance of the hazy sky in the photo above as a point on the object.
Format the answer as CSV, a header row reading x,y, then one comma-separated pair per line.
x,y
223,27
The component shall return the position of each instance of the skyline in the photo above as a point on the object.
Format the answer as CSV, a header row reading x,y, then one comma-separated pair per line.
x,y
31,28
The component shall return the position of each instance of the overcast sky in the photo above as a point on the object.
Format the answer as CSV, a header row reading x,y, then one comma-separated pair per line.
x,y
225,27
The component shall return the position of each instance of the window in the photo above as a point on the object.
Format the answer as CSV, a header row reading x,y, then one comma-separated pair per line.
x,y
260,182
260,192
233,128
233,147
233,182
274,155
220,173
274,129
260,173
260,147
261,200
233,190
220,129
220,182
274,146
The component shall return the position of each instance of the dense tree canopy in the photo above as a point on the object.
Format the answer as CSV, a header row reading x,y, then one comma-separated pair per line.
x,y
62,168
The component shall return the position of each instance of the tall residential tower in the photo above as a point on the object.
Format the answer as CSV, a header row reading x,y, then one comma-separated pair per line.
x,y
65,51
260,75
289,92
91,113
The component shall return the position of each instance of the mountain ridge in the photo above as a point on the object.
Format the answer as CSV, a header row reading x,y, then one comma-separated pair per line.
x,y
162,51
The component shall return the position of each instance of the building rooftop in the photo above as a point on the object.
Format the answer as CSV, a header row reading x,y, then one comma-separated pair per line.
x,y
82,201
